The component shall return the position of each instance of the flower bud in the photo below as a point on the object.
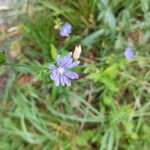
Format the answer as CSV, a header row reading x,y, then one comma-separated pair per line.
x,y
77,52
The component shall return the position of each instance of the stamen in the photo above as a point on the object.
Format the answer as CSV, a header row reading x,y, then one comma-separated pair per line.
x,y
61,70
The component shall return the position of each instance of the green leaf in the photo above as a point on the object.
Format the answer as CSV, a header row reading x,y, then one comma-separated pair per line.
x,y
56,8
84,137
111,140
110,71
105,2
110,19
109,83
107,99
144,5
53,51
81,141
3,58
89,40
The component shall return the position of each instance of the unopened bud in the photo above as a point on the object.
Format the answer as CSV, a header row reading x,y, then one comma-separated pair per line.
x,y
77,52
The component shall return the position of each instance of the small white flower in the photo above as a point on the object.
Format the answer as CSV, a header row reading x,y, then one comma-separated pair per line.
x,y
77,52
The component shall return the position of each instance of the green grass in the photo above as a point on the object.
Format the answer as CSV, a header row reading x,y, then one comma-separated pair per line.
x,y
108,107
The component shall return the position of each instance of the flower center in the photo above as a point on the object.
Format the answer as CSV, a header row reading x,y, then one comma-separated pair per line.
x,y
61,70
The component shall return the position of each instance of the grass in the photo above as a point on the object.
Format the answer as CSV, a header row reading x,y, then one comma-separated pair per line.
x,y
108,107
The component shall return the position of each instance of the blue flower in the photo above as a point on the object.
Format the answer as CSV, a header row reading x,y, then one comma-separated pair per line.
x,y
129,53
65,29
60,72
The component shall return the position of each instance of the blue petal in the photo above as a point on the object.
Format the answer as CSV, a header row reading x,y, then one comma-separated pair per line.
x,y
62,80
51,67
56,77
70,54
59,60
57,80
67,81
66,60
71,75
53,75
74,64
64,32
67,26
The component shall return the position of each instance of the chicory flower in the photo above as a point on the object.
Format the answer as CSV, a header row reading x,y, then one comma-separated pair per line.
x,y
129,53
65,30
60,72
